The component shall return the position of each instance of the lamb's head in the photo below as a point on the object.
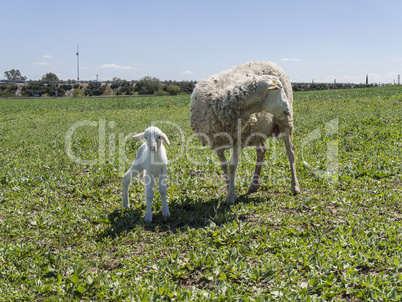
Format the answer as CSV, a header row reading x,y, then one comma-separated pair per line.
x,y
153,137
274,98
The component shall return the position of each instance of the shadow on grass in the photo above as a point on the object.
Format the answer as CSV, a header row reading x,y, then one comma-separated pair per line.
x,y
185,212
121,220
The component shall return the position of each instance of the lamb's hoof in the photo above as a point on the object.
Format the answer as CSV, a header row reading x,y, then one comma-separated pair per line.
x,y
230,199
126,204
148,217
295,190
165,212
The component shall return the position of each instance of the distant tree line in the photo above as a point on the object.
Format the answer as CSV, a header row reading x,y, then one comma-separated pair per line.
x,y
327,86
123,88
39,88
51,86
8,90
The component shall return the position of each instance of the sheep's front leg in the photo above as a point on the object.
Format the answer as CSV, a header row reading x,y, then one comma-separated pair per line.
x,y
290,150
255,182
132,172
224,166
149,196
162,191
231,197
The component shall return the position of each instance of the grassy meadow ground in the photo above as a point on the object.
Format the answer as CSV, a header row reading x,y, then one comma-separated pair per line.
x,y
65,236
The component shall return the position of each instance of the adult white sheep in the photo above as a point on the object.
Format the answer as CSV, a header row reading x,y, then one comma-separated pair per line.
x,y
242,107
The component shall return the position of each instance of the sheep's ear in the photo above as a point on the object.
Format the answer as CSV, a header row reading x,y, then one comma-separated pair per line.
x,y
139,137
273,86
164,138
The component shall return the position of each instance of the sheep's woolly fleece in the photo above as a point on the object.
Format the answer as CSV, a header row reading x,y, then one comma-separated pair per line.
x,y
218,105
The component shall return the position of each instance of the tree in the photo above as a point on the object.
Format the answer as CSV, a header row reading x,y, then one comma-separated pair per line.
x,y
95,89
50,77
14,75
173,89
148,85
34,88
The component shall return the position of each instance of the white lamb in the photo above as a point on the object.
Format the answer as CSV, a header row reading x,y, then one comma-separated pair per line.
x,y
150,163
243,107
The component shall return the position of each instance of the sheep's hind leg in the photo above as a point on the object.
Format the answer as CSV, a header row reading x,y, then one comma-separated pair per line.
x,y
290,150
231,197
224,166
255,182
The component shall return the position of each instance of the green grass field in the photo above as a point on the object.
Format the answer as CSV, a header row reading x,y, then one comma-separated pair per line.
x,y
65,236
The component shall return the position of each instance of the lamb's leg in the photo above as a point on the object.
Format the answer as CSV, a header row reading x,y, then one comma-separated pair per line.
x,y
162,191
255,182
134,171
149,196
231,197
126,183
224,166
290,150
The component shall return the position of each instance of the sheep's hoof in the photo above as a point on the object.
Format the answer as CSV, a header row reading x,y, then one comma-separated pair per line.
x,y
253,188
126,204
165,212
230,199
148,217
295,190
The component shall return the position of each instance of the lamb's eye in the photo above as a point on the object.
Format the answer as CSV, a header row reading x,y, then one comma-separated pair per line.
x,y
145,137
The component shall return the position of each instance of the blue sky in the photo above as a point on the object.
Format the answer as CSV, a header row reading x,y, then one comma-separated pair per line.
x,y
189,40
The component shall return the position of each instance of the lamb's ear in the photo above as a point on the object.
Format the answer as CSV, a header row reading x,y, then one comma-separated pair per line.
x,y
164,138
274,86
139,137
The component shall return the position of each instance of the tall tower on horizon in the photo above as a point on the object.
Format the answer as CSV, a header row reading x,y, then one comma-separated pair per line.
x,y
366,79
78,65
